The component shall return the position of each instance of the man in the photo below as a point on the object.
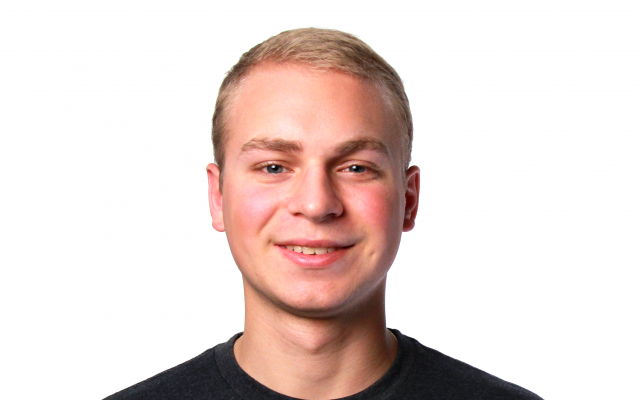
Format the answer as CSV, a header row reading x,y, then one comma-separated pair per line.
x,y
312,138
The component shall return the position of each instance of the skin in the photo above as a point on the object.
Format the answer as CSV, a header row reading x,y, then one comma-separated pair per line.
x,y
313,159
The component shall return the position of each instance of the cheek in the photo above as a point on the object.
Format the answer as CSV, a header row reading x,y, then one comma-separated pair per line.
x,y
378,212
379,207
248,208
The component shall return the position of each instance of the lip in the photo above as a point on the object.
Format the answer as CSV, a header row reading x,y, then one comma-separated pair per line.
x,y
313,261
314,243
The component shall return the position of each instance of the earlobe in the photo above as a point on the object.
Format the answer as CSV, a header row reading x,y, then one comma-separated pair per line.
x,y
215,197
411,195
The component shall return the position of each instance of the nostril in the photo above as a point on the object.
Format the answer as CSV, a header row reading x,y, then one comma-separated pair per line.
x,y
315,197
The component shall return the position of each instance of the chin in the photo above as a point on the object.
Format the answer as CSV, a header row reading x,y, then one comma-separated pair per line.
x,y
315,309
310,303
321,297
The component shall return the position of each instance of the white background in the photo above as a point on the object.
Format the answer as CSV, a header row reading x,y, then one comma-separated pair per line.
x,y
525,255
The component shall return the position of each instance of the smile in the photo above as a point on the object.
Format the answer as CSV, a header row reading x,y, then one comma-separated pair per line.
x,y
312,257
310,250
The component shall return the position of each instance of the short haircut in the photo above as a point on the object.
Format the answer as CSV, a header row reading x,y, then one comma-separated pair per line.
x,y
320,49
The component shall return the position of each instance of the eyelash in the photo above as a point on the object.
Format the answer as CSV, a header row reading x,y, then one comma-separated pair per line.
x,y
264,166
367,169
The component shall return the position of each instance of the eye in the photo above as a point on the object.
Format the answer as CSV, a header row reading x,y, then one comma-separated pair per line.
x,y
274,168
361,170
357,169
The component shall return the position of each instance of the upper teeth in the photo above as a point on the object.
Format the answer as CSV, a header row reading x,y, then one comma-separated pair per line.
x,y
311,250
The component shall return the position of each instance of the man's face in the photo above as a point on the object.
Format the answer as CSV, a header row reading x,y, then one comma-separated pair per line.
x,y
313,164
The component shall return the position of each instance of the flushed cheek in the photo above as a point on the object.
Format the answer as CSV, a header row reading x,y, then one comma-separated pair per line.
x,y
379,206
248,210
379,209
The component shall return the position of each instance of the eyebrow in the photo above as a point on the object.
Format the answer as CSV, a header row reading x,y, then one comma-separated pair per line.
x,y
291,146
281,145
353,146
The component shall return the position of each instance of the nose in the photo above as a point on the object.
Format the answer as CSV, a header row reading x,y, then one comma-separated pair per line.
x,y
314,197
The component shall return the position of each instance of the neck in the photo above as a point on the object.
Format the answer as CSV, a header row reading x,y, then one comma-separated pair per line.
x,y
315,358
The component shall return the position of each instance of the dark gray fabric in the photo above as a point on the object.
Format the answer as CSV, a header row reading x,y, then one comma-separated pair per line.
x,y
418,373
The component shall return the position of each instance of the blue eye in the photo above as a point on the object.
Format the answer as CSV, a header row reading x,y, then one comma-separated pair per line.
x,y
274,169
358,169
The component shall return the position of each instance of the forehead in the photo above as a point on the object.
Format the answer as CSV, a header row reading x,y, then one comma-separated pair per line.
x,y
295,101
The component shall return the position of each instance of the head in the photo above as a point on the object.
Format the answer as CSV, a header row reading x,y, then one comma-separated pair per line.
x,y
314,146
320,49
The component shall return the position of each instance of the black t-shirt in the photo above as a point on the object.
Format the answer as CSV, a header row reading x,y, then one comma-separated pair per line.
x,y
418,372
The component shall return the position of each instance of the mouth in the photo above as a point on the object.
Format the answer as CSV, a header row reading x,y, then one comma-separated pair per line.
x,y
315,255
310,250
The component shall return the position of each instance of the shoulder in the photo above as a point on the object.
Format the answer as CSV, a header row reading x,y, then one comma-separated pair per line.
x,y
443,376
197,378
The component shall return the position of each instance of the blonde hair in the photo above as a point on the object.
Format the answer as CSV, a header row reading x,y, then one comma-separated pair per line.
x,y
322,49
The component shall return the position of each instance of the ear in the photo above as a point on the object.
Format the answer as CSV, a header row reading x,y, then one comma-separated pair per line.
x,y
411,194
215,197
